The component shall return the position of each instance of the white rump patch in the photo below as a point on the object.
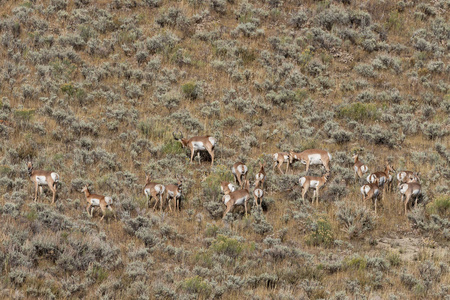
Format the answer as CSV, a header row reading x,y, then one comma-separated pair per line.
x,y
55,176
159,188
212,140
95,202
258,193
364,169
400,176
198,146
259,176
41,180
315,159
365,189
231,187
403,188
286,157
242,169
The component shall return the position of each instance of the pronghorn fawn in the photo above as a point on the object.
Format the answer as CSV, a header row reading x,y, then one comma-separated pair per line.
x,y
227,187
198,143
260,176
383,177
239,171
279,158
95,200
311,157
411,189
314,182
258,193
371,191
239,197
41,178
174,191
359,167
153,190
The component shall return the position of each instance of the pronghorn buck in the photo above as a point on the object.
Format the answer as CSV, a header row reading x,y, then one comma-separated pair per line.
x,y
227,187
311,157
174,191
405,176
279,158
410,190
261,175
198,143
41,178
239,197
95,200
383,177
314,182
359,167
371,191
258,193
153,190
239,171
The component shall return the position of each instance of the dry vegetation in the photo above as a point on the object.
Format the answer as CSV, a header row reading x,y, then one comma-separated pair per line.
x,y
94,89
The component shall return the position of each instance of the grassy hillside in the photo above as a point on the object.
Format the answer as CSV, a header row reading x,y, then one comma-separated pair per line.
x,y
94,89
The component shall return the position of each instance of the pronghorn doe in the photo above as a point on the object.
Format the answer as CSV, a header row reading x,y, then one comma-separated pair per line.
x,y
405,176
307,182
383,177
371,191
411,189
239,197
153,190
174,191
258,193
359,167
41,178
94,200
311,157
227,187
279,158
261,176
239,171
198,143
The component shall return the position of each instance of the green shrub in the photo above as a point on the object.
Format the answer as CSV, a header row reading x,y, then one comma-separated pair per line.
x,y
321,233
172,147
24,114
191,90
198,286
227,246
359,111
440,205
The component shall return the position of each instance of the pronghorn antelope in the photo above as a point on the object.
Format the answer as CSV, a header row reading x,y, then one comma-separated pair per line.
x,y
311,157
405,176
239,171
153,190
383,177
239,197
174,191
94,200
260,176
258,193
371,191
227,187
307,182
41,178
198,143
410,190
359,167
279,158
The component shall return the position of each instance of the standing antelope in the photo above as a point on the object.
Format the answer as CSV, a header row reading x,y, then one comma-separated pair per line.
x,y
239,171
41,178
260,176
307,182
311,157
404,176
198,143
258,193
359,167
383,177
279,158
371,191
239,197
227,187
153,190
410,190
94,200
174,191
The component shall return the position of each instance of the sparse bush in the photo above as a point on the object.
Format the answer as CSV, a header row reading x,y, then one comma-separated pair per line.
x,y
321,232
356,221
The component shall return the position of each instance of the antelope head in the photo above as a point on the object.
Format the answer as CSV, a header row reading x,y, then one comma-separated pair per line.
x,y
179,138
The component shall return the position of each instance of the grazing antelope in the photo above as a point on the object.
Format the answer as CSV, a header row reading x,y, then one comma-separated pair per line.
x,y
153,190
405,176
198,143
260,176
371,191
239,171
94,200
258,193
383,177
239,197
174,191
311,157
410,190
359,167
307,182
279,158
227,187
41,178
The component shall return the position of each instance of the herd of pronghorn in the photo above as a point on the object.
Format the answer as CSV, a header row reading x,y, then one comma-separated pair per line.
x,y
408,182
